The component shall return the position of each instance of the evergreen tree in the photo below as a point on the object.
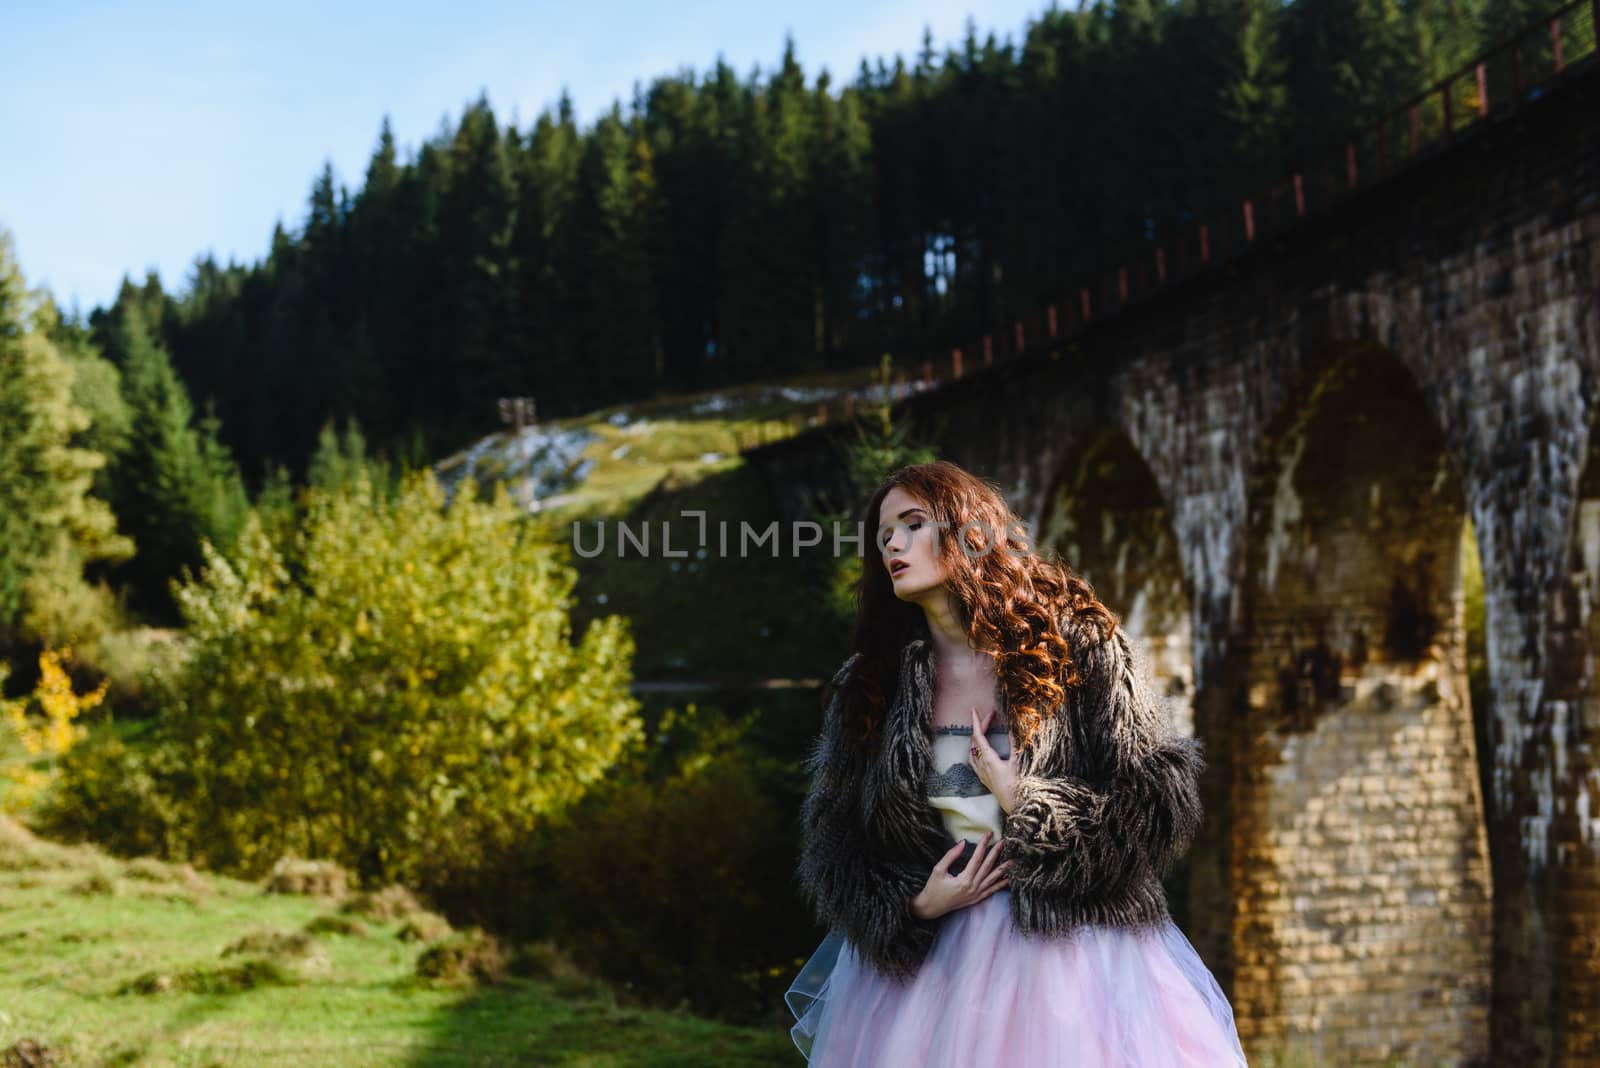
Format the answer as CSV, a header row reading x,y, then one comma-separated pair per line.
x,y
1237,117
842,211
1443,35
173,483
539,342
1348,62
380,255
611,304
1501,20
96,388
341,459
223,500
50,524
768,252
692,165
477,217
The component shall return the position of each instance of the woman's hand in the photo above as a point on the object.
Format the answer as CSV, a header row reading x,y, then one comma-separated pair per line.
x,y
946,893
998,773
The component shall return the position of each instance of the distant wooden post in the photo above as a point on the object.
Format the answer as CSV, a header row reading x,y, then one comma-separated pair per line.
x,y
518,411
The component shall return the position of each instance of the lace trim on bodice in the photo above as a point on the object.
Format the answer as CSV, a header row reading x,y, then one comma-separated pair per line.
x,y
958,780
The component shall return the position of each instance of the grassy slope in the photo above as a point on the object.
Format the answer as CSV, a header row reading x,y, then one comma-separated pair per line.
x,y
677,437
77,926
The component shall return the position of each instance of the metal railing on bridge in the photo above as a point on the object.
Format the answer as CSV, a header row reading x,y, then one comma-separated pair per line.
x,y
1520,70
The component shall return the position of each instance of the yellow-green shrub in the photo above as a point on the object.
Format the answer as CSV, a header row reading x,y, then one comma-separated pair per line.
x,y
121,796
389,683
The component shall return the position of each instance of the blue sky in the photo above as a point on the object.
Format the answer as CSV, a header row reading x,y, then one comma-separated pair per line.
x,y
137,136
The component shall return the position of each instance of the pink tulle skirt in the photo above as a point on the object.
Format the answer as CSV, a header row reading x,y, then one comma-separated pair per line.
x,y
988,996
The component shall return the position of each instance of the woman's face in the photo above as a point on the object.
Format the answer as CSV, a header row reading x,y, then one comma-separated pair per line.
x,y
908,544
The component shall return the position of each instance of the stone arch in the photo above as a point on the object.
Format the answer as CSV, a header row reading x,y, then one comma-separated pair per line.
x,y
1361,888
1106,517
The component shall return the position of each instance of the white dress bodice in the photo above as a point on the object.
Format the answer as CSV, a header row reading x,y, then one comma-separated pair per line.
x,y
963,801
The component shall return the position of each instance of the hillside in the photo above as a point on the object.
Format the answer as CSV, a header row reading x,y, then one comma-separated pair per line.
x,y
602,462
138,962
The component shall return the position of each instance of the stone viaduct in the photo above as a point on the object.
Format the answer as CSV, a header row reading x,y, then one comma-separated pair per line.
x,y
1285,474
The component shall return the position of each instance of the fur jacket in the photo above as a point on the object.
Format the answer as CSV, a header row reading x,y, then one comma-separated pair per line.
x,y
1107,800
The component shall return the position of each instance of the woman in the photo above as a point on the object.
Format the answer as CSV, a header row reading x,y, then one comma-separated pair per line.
x,y
994,798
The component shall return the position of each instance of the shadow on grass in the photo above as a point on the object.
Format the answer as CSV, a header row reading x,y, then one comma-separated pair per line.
x,y
578,1021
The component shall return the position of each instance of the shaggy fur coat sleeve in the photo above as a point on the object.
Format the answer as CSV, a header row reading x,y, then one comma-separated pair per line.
x,y
1137,808
844,874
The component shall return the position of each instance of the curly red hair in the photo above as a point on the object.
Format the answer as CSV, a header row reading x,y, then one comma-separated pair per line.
x,y
1012,601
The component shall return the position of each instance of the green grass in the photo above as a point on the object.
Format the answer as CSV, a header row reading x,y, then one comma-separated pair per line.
x,y
112,962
